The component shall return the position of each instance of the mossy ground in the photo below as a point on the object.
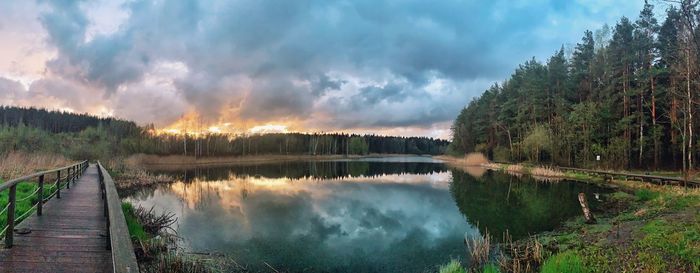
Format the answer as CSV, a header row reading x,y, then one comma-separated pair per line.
x,y
656,230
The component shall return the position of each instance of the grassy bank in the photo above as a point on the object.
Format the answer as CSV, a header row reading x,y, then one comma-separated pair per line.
x,y
16,164
27,196
657,230
642,228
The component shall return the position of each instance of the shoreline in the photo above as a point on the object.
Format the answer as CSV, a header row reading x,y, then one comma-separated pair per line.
x,y
640,221
578,174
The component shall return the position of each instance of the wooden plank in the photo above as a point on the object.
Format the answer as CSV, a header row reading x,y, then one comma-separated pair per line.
x,y
68,237
35,267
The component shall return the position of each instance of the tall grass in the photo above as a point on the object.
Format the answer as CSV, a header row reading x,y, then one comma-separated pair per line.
x,y
479,250
522,257
546,172
133,179
567,261
15,164
452,267
475,159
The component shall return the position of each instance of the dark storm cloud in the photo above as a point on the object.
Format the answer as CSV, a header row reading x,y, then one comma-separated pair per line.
x,y
324,84
107,61
297,57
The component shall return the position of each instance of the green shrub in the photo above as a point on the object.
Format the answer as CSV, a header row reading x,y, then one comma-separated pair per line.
x,y
646,195
452,267
564,262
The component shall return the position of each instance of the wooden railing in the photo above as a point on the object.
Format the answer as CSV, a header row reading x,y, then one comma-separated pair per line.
x,y
63,177
119,241
654,179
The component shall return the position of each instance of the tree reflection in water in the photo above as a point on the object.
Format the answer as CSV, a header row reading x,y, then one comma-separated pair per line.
x,y
350,216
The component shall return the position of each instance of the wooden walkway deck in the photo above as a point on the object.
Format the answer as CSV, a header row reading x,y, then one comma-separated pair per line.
x,y
70,236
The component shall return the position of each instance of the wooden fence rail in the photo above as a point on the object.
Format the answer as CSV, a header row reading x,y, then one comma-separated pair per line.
x,y
119,241
72,172
654,179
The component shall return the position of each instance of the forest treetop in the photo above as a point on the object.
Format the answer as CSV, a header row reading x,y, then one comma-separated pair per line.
x,y
629,95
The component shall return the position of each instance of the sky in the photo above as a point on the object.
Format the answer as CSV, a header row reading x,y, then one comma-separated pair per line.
x,y
391,67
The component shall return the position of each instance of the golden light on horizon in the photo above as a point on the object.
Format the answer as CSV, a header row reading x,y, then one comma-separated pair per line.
x,y
192,125
268,129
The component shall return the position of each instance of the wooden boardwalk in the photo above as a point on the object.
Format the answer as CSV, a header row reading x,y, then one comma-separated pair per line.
x,y
70,236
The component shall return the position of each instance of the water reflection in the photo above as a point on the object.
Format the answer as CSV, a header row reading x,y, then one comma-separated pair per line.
x,y
311,169
499,202
352,216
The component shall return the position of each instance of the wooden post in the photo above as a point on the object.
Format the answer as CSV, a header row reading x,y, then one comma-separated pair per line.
x,y
586,210
58,184
40,205
69,178
10,232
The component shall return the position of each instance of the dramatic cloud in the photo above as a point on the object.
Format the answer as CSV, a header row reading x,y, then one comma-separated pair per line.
x,y
322,65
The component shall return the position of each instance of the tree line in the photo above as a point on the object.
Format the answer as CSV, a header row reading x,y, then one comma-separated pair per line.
x,y
626,93
83,136
282,144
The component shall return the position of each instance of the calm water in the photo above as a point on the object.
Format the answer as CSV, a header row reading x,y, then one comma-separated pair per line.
x,y
374,215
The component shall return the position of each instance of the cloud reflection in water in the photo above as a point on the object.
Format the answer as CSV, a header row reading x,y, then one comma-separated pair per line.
x,y
399,222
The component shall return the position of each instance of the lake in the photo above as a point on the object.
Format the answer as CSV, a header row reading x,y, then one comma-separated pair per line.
x,y
406,214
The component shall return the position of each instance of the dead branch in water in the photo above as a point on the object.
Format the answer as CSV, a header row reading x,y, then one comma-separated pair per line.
x,y
152,222
586,210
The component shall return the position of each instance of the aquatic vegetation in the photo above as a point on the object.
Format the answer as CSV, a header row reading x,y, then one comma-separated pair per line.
x,y
135,228
520,256
452,267
155,242
479,249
